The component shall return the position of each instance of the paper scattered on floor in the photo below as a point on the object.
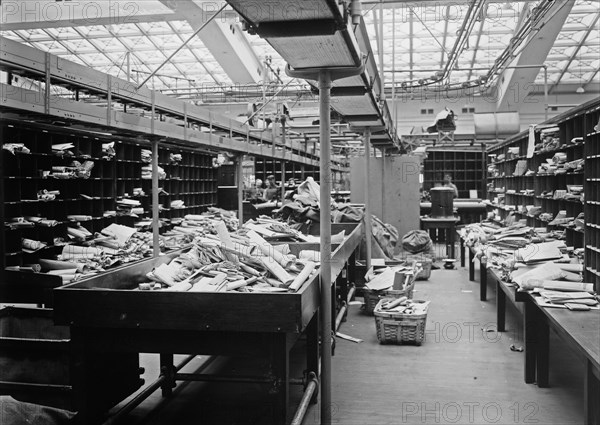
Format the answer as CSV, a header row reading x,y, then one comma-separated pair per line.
x,y
348,337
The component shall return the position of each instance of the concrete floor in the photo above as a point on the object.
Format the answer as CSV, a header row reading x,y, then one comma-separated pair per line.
x,y
463,373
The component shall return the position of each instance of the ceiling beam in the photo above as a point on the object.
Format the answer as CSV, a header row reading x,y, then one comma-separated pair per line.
x,y
378,36
101,51
87,22
174,64
410,38
443,52
56,40
576,51
225,40
200,60
515,84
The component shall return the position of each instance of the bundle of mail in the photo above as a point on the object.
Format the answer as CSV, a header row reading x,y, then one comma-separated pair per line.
x,y
73,171
15,148
557,285
528,258
303,207
86,253
242,261
147,172
63,149
108,151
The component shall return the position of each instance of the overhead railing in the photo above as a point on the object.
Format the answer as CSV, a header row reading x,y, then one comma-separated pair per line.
x,y
190,124
327,33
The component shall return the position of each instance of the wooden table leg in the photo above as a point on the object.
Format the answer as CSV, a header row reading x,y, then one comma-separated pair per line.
x,y
591,395
471,265
529,336
452,232
168,369
343,287
462,251
280,364
81,366
352,269
334,308
500,308
482,281
543,348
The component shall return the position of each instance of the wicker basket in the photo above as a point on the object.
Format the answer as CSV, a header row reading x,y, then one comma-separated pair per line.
x,y
425,265
373,297
397,328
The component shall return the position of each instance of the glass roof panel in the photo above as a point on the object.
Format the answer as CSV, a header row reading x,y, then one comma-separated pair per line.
x,y
417,39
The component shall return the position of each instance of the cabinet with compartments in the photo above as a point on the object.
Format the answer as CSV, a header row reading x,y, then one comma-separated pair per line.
x,y
556,186
95,181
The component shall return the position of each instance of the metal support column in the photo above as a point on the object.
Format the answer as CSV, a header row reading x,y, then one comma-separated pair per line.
x,y
546,102
368,230
283,159
325,218
240,185
155,221
325,77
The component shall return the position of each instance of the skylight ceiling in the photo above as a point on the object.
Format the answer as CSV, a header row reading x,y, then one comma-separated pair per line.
x,y
425,33
417,38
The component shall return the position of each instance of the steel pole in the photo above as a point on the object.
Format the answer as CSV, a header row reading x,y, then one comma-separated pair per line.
x,y
368,230
240,185
283,141
282,180
325,251
155,219
546,102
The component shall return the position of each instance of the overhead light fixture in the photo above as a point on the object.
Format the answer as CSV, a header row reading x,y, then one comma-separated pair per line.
x,y
580,90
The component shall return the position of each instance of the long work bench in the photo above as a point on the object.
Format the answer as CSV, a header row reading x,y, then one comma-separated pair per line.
x,y
482,267
106,316
579,330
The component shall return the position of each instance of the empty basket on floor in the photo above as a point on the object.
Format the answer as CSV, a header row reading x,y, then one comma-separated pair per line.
x,y
397,328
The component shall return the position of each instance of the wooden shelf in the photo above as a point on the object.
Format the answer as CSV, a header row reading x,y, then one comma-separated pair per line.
x,y
571,124
110,180
467,168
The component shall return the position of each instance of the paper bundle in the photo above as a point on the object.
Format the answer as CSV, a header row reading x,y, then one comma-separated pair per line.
x,y
30,245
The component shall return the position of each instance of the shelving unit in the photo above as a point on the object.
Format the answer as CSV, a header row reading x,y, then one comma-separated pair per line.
x,y
592,196
265,167
193,181
511,193
467,168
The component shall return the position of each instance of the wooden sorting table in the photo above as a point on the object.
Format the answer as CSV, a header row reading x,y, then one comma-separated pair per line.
x,y
506,291
106,316
482,268
342,272
580,330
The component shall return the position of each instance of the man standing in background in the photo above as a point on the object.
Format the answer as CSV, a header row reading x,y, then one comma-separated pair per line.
x,y
448,183
272,190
